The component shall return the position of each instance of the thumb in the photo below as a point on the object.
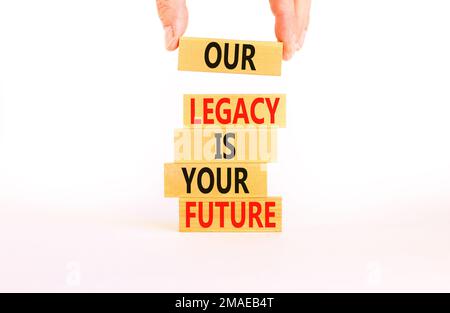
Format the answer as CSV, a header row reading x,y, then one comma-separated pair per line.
x,y
284,12
174,18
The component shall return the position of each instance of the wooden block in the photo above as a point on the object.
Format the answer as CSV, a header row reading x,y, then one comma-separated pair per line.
x,y
215,180
230,215
226,144
239,109
230,56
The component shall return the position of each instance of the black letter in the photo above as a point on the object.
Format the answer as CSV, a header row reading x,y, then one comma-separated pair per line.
x,y
188,178
248,57
230,146
219,180
236,56
211,180
218,146
241,181
219,54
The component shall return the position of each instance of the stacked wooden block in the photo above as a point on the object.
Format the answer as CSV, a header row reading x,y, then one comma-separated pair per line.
x,y
220,172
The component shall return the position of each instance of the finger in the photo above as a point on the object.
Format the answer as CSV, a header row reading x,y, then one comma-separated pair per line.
x,y
284,12
174,17
302,9
308,15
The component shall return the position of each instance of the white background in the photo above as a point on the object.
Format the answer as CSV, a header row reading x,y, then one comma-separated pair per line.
x,y
89,99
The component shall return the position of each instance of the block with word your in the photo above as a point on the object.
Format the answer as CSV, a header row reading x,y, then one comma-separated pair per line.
x,y
215,180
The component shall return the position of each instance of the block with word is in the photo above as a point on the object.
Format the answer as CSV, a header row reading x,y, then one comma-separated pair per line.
x,y
239,109
230,56
235,215
226,144
215,180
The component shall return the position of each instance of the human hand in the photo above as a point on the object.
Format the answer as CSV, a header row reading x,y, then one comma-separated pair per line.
x,y
291,22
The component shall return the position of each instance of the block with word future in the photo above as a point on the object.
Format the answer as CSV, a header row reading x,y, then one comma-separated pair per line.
x,y
215,180
225,144
235,109
230,215
230,56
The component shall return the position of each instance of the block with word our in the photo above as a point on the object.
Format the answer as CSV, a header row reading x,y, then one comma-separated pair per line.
x,y
230,56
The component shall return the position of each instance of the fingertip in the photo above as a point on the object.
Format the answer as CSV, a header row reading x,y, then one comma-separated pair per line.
x,y
172,46
172,38
174,17
285,33
288,51
287,57
289,47
169,38
301,40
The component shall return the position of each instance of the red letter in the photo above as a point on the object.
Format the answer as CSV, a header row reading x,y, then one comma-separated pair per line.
x,y
207,110
192,110
240,107
272,109
233,215
270,214
200,215
189,214
253,111
255,215
222,206
226,112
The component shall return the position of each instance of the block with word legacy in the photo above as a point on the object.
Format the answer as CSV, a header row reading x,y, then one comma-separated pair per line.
x,y
238,109
230,56
215,180
225,144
